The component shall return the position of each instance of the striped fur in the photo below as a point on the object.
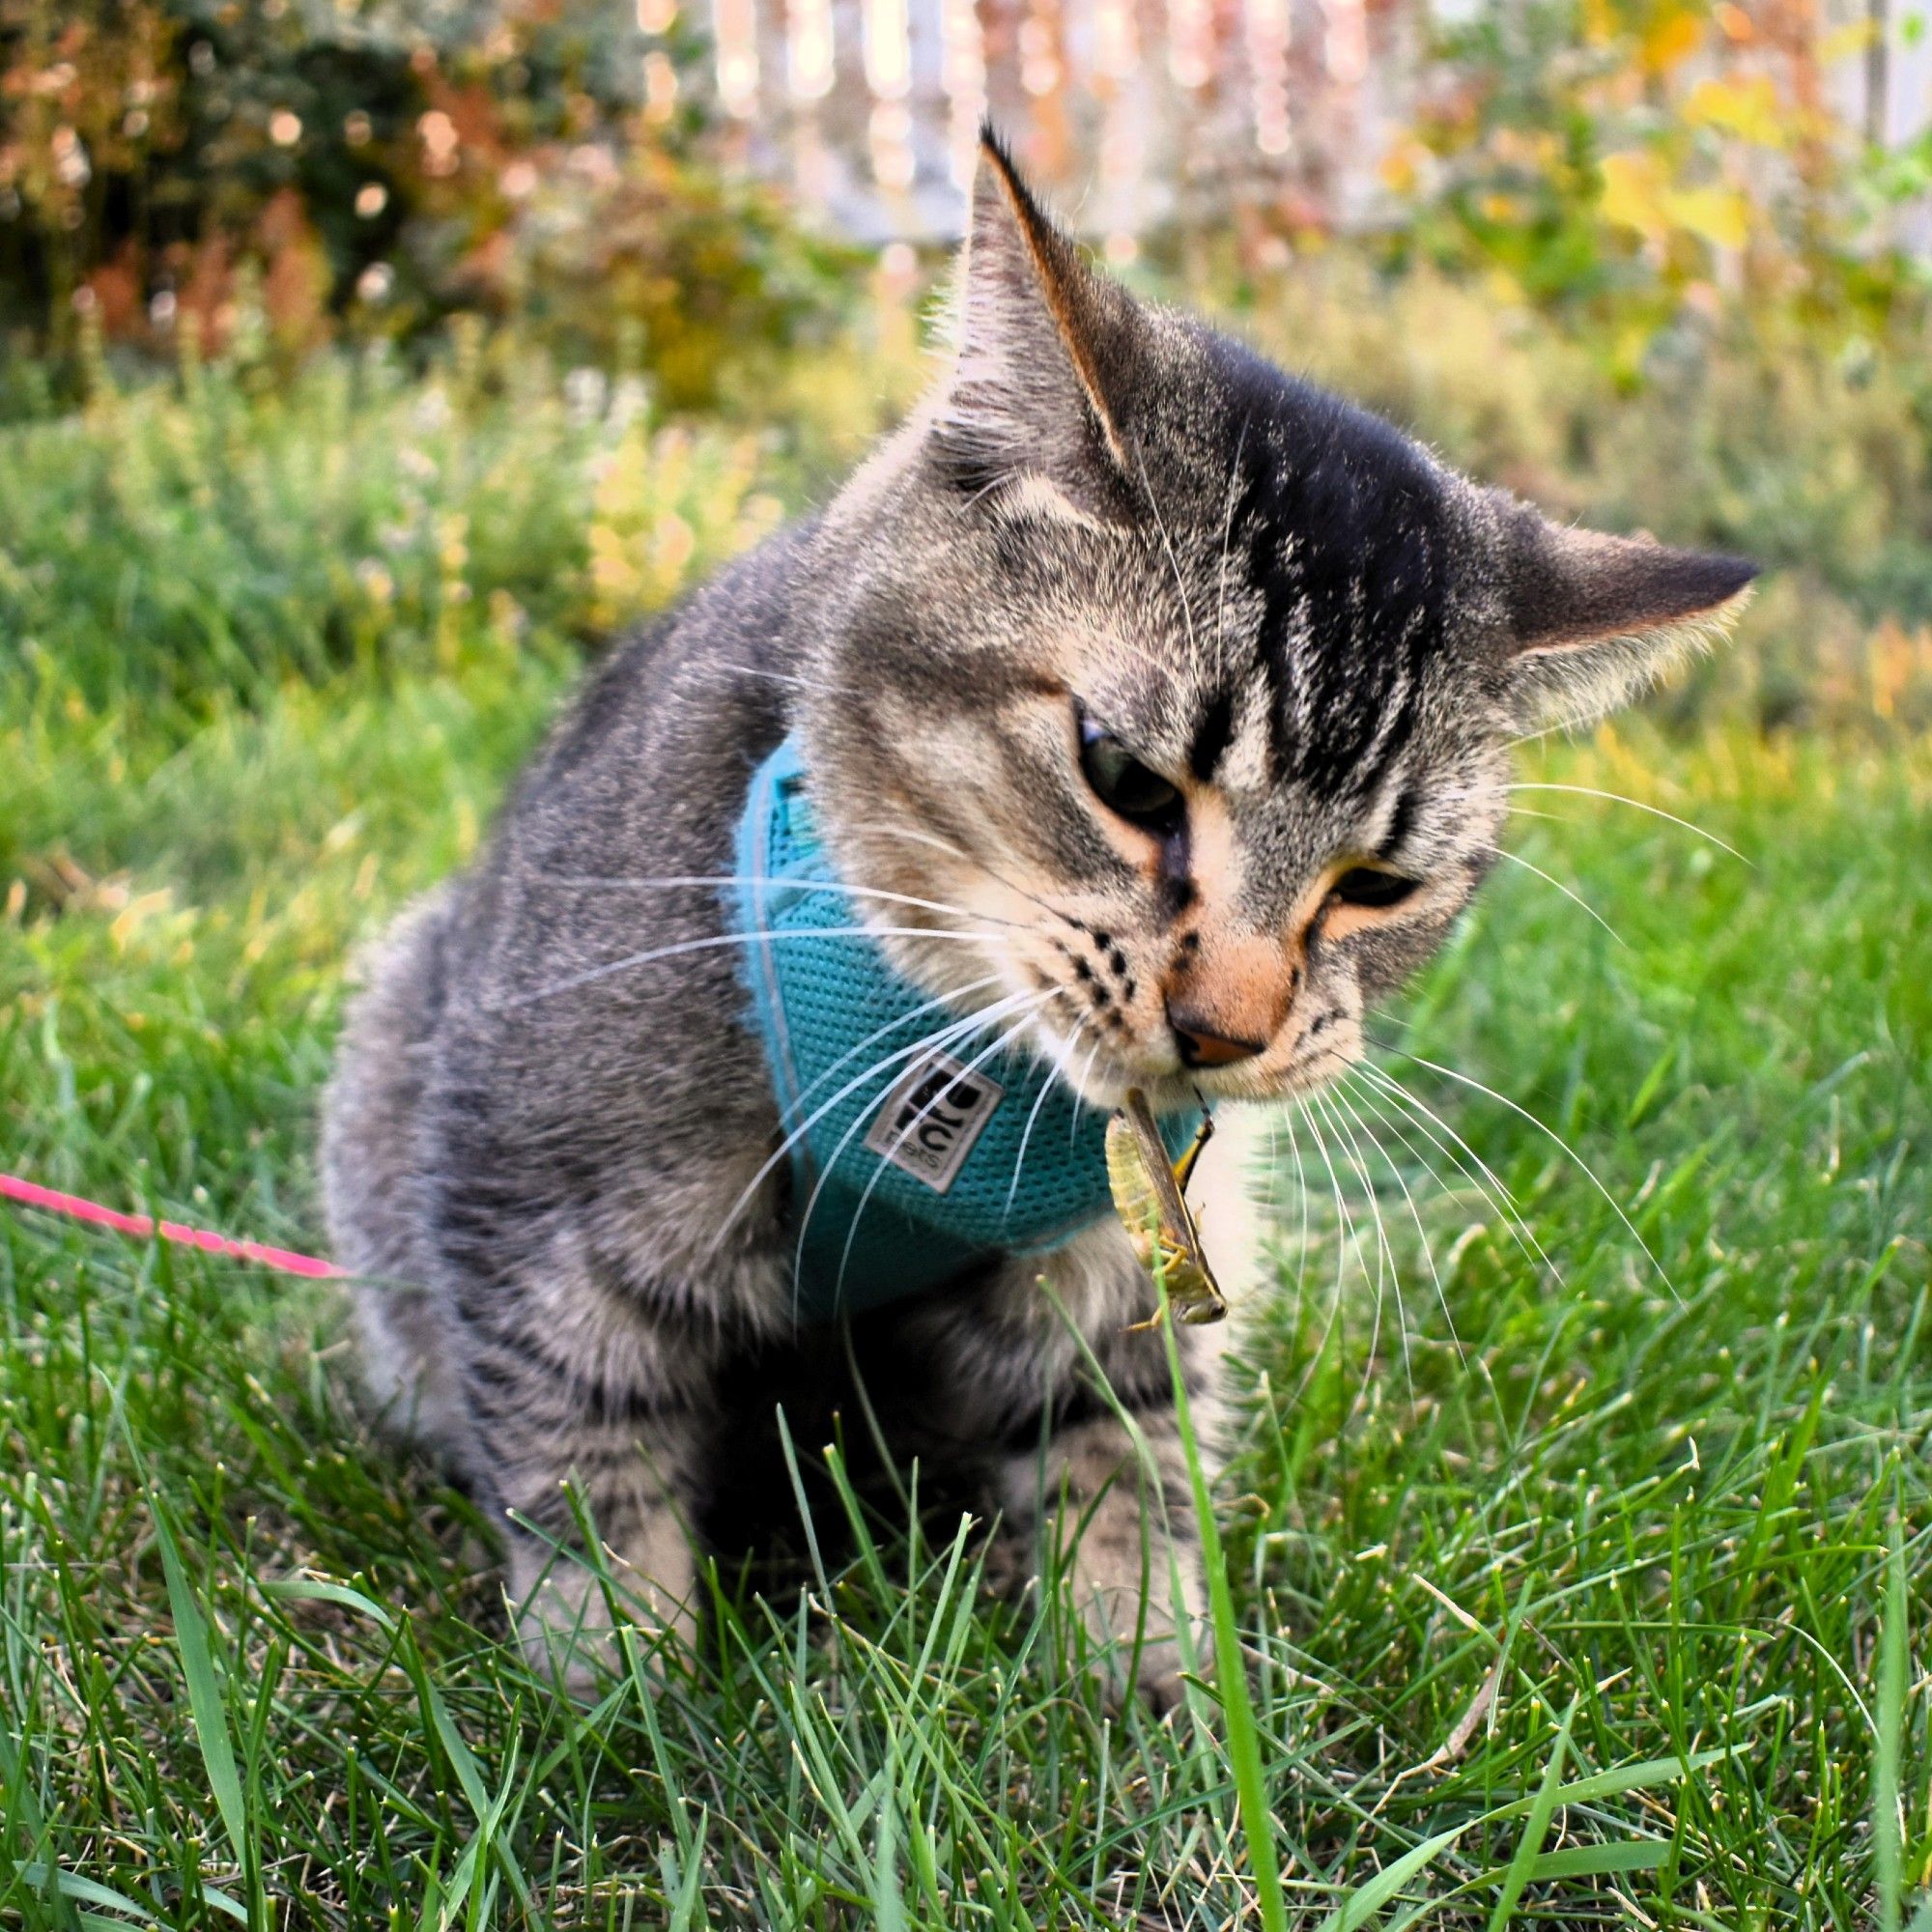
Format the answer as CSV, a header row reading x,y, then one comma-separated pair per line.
x,y
548,1145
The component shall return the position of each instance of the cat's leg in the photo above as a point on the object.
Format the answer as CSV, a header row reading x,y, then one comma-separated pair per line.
x,y
1112,1498
410,1371
369,1161
1006,1377
585,1403
1107,1499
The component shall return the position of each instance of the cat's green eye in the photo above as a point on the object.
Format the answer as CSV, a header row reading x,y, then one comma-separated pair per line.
x,y
1123,784
1365,885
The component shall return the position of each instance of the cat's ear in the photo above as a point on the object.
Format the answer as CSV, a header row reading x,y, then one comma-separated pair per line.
x,y
1040,339
1593,618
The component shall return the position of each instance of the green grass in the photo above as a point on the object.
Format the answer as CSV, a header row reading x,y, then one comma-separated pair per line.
x,y
1576,1591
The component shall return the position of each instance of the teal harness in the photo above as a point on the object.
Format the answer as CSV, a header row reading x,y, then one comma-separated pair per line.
x,y
920,1142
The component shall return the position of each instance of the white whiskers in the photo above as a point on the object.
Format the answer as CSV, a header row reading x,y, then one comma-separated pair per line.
x,y
1576,898
712,940
885,1159
590,881
1636,804
1433,1127
1046,1087
1549,1133
871,1072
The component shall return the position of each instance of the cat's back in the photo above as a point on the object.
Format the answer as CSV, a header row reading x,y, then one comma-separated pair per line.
x,y
633,798
540,994
658,744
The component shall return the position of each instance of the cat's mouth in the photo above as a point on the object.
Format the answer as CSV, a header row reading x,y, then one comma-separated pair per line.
x,y
1302,1059
1090,1002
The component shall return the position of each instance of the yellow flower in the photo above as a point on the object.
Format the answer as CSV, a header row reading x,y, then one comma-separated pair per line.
x,y
1673,41
1633,192
1746,107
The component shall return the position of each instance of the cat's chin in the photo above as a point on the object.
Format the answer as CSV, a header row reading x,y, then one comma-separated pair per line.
x,y
1176,1090
1172,1091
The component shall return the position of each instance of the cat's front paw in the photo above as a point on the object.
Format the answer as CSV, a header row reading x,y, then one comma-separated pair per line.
x,y
1161,1679
566,1621
1141,1644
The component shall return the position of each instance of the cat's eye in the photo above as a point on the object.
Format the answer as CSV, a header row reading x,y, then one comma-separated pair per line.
x,y
1121,782
1366,886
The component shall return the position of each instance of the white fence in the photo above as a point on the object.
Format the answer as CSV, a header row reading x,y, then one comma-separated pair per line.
x,y
1133,111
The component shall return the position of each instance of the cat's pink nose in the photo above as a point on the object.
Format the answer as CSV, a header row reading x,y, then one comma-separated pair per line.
x,y
1201,1045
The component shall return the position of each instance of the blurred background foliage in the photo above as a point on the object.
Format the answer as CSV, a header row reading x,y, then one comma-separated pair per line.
x,y
365,366
1638,161
291,172
342,332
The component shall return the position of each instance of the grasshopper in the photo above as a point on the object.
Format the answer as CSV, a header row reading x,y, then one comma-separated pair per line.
x,y
1150,1198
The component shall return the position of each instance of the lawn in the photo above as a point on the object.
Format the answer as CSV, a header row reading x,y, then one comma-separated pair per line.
x,y
1579,1523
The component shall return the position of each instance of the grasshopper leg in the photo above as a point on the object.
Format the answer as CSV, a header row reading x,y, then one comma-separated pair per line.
x,y
1183,1167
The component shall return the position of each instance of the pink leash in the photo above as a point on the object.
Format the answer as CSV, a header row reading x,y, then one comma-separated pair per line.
x,y
29,1195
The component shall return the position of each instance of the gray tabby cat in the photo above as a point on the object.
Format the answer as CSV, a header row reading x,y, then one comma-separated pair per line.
x,y
1160,693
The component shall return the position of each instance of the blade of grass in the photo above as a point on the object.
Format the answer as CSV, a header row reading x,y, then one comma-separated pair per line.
x,y
483,1849
487,1811
686,1911
68,1887
1589,1862
22,1806
1888,1852
1355,1908
1548,1797
888,1900
304,1590
1244,1741
204,1688
1366,1899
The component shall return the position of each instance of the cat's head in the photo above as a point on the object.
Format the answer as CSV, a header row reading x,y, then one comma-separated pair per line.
x,y
1186,688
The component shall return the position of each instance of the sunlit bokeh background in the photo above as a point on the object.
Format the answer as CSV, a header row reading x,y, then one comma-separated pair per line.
x,y
374,166
1661,263
365,370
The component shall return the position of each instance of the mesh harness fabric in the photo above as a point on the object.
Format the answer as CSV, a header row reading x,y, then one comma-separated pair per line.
x,y
921,1142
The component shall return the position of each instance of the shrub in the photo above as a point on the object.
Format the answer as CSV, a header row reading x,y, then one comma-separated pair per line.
x,y
174,542
300,170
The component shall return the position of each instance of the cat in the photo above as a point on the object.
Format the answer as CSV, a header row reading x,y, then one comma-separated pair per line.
x,y
1150,705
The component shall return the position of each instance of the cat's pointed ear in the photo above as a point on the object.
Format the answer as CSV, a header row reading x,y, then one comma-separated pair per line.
x,y
1040,340
1593,618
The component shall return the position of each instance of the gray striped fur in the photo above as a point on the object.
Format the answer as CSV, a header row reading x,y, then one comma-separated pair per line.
x,y
547,1144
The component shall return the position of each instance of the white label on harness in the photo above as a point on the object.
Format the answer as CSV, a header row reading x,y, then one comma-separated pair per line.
x,y
931,1119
